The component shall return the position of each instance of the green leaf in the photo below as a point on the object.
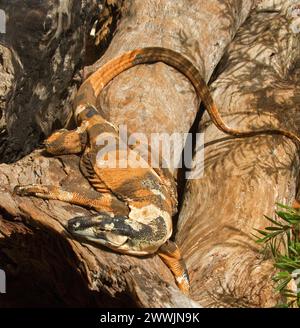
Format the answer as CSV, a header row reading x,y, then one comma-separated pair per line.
x,y
283,284
281,275
288,217
293,250
283,239
262,232
274,229
282,305
273,221
285,206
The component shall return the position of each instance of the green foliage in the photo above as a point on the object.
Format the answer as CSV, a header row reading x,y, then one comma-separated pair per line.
x,y
282,237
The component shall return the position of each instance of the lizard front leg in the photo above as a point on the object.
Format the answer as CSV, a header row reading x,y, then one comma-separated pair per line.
x,y
170,254
103,202
64,142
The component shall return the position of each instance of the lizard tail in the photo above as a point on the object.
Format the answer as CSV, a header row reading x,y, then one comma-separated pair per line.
x,y
92,87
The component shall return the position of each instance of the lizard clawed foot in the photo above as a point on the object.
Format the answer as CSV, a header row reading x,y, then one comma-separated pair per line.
x,y
31,190
170,254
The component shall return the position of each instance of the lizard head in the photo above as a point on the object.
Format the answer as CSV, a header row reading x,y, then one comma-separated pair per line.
x,y
119,233
96,229
66,142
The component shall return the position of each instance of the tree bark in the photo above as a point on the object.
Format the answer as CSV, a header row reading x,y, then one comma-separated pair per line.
x,y
43,39
36,251
257,86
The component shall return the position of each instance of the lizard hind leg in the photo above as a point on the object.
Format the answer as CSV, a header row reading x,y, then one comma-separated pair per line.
x,y
103,202
170,255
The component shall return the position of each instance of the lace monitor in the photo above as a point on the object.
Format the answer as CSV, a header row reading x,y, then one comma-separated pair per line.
x,y
149,193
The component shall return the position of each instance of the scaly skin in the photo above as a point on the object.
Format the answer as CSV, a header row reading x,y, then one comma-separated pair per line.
x,y
136,204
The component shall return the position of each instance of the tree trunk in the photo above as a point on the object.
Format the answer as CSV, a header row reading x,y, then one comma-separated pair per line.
x,y
257,86
36,251
42,49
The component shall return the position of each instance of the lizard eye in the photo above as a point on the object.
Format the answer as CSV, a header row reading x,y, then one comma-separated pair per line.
x,y
76,225
73,224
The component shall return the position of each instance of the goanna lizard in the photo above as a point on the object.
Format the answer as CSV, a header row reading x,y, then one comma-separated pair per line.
x,y
148,193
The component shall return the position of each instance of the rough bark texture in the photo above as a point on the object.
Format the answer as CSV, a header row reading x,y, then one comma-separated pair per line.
x,y
36,251
41,51
257,86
